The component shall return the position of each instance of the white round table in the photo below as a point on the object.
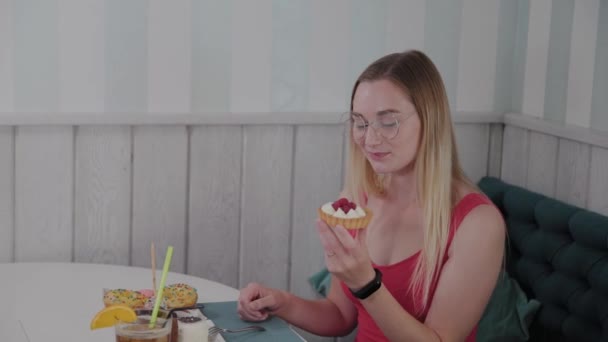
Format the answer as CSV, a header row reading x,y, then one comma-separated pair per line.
x,y
43,302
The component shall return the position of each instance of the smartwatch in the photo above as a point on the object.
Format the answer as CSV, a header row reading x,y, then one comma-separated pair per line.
x,y
370,287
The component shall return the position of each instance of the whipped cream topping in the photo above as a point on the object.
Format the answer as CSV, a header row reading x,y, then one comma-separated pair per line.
x,y
351,214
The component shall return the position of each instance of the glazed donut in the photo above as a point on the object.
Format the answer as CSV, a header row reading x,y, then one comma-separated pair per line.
x,y
130,298
179,296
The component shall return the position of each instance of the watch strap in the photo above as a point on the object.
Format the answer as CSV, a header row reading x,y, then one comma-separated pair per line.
x,y
369,288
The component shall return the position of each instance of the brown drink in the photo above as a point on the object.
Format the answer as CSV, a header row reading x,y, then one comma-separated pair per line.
x,y
139,331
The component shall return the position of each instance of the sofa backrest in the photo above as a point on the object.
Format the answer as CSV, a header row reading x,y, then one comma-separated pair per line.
x,y
559,255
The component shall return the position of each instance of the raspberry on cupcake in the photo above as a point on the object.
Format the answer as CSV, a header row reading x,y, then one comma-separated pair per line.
x,y
345,213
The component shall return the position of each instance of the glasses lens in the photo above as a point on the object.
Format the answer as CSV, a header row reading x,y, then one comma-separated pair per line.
x,y
359,127
388,126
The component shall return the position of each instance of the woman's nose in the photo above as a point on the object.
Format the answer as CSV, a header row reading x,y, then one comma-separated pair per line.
x,y
371,136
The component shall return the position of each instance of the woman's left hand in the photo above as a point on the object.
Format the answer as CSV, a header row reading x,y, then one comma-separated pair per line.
x,y
346,256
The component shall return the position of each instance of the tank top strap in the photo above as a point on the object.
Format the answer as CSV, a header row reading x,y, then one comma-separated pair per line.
x,y
463,208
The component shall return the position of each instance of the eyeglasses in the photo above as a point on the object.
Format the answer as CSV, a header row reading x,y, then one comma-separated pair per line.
x,y
386,126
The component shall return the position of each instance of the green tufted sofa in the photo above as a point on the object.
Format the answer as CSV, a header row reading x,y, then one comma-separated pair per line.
x,y
558,254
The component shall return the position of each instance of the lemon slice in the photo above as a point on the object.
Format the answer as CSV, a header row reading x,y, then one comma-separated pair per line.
x,y
108,317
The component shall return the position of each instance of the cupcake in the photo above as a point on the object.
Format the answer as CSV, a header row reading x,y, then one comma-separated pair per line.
x,y
179,296
346,214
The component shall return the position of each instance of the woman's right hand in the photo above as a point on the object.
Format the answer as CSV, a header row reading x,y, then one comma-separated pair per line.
x,y
257,302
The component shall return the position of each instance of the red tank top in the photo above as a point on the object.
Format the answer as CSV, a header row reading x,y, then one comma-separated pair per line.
x,y
396,278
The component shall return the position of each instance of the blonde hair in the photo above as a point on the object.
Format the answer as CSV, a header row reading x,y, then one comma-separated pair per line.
x,y
437,168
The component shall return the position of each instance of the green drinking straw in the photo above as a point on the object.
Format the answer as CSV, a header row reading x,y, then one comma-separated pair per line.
x,y
159,293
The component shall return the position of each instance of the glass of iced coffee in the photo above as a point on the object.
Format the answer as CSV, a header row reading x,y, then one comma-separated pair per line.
x,y
140,331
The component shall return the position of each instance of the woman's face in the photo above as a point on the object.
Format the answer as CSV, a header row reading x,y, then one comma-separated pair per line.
x,y
385,126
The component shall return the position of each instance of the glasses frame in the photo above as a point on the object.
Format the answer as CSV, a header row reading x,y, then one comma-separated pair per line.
x,y
376,125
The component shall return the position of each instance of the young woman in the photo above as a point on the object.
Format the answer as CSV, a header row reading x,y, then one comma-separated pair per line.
x,y
425,267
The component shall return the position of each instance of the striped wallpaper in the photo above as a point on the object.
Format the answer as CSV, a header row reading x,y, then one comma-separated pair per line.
x,y
562,61
540,57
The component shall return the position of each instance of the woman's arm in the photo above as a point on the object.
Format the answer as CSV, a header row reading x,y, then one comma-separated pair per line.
x,y
333,316
463,290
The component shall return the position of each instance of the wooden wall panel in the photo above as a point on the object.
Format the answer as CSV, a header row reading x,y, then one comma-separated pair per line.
x,y
317,179
598,181
514,166
345,152
159,194
237,200
573,162
495,150
103,195
472,142
542,161
266,205
7,168
44,165
214,206
10,324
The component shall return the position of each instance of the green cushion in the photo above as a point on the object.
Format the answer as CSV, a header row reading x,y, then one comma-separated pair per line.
x,y
558,254
509,313
320,281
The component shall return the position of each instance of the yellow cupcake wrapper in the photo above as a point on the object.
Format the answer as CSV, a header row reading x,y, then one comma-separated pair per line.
x,y
348,223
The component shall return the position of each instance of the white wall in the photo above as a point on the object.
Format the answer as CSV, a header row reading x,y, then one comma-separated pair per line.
x,y
240,55
544,58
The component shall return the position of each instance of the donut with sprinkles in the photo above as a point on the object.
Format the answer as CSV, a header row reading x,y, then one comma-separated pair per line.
x,y
179,296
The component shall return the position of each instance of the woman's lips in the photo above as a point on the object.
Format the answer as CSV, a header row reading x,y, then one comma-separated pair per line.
x,y
377,155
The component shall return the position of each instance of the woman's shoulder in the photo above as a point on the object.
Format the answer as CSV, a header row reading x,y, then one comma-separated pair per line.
x,y
467,194
476,214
